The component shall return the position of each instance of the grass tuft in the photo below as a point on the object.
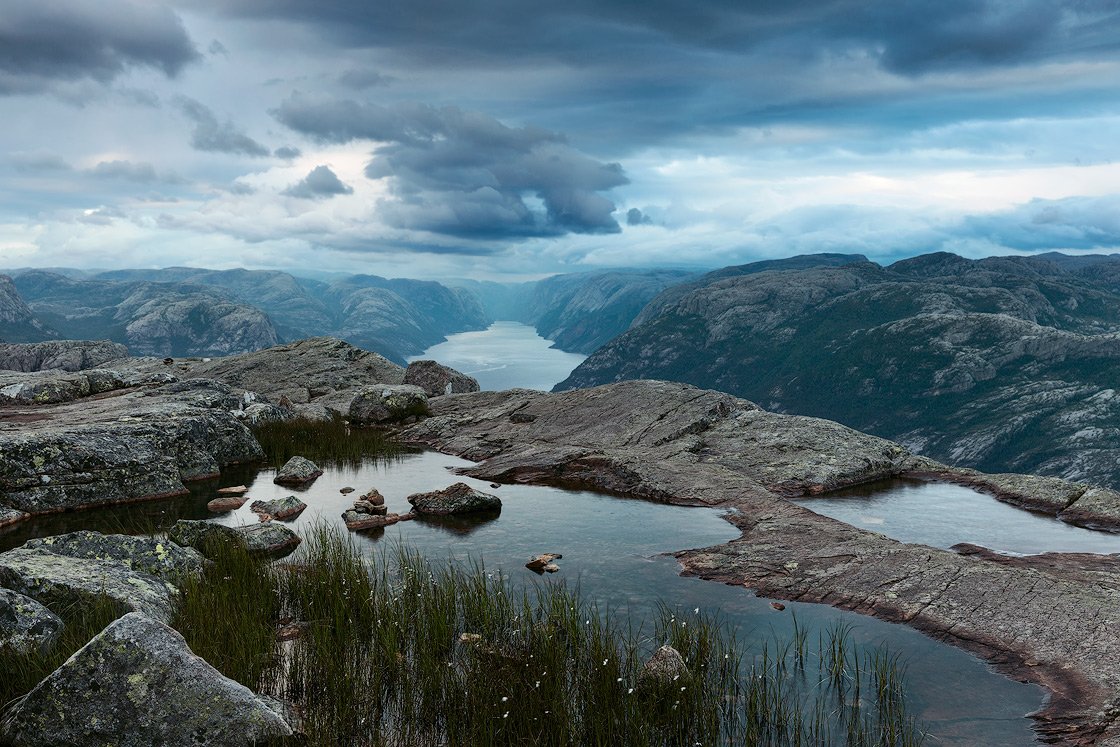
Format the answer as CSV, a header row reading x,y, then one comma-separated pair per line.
x,y
324,442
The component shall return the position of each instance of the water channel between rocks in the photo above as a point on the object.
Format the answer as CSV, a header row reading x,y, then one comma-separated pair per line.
x,y
612,549
942,515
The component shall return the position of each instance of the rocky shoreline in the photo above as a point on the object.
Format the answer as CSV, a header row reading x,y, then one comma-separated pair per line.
x,y
1053,620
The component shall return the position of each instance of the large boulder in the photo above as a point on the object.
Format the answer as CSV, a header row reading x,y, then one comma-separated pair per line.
x,y
436,379
136,573
297,471
460,498
26,625
384,405
279,508
137,683
268,539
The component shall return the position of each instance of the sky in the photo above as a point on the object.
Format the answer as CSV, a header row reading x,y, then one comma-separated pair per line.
x,y
514,139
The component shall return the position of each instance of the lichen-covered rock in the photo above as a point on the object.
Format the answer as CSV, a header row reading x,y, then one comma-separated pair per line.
x,y
297,471
26,625
436,379
460,498
268,538
288,507
259,413
665,669
384,405
137,683
137,573
11,515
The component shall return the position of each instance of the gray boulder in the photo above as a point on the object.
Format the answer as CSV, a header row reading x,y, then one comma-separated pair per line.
x,y
460,498
279,508
26,625
259,413
665,669
383,405
436,379
268,539
64,355
137,683
297,471
136,573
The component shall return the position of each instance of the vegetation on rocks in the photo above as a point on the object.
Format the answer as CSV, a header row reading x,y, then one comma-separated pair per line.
x,y
322,441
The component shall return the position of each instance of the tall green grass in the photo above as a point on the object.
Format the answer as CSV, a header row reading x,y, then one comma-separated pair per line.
x,y
324,441
404,652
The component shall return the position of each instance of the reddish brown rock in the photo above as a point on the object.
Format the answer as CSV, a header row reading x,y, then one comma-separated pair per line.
x,y
356,521
233,490
225,503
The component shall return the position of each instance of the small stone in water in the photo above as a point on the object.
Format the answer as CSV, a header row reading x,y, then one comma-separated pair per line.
x,y
778,606
346,490
233,490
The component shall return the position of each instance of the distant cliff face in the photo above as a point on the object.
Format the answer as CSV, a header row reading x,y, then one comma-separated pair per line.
x,y
1005,364
17,320
581,312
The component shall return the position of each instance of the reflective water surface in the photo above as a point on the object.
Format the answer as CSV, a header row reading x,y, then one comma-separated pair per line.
x,y
505,356
942,514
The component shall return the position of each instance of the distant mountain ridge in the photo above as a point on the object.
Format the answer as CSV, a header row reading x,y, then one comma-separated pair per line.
x,y
1003,364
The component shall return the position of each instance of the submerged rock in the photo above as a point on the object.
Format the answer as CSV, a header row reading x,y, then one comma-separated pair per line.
x,y
268,538
543,563
25,625
436,379
279,508
137,683
297,471
384,405
460,498
136,573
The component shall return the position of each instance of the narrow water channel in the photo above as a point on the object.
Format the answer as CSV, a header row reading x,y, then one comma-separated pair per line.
x,y
942,515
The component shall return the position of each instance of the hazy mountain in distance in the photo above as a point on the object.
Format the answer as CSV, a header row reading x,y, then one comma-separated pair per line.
x,y
17,321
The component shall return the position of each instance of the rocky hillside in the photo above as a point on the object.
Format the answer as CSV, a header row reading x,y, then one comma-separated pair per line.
x,y
17,320
581,312
151,318
1003,364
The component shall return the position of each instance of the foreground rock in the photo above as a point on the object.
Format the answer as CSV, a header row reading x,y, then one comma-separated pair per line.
x,y
297,471
139,445
268,538
25,625
136,573
137,683
665,669
543,563
437,380
460,498
678,444
279,508
386,405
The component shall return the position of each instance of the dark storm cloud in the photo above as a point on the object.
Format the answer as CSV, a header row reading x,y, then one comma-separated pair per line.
x,y
209,134
467,174
46,41
360,79
320,183
287,152
635,217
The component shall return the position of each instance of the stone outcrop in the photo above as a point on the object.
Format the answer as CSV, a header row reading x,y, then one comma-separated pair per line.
x,y
140,444
65,355
674,443
137,683
459,498
137,573
436,379
267,538
386,405
18,322
1006,364
297,471
281,509
25,625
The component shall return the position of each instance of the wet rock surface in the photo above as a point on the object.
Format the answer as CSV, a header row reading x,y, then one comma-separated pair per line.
x,y
25,625
385,405
297,471
137,573
137,683
674,443
437,380
459,498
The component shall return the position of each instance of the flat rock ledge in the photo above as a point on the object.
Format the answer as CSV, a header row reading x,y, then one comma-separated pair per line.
x,y
675,443
137,683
